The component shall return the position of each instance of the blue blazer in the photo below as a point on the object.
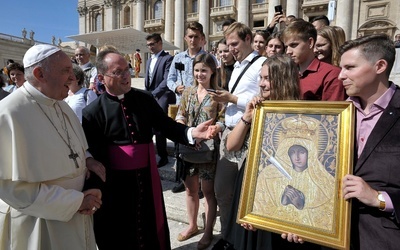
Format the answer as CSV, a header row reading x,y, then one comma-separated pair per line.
x,y
158,85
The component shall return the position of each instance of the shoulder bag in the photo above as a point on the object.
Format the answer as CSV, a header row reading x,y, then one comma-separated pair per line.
x,y
205,154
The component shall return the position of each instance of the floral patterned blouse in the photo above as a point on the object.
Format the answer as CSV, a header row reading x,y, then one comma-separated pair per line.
x,y
192,112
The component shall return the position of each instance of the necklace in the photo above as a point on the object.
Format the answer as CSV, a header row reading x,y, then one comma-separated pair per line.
x,y
73,155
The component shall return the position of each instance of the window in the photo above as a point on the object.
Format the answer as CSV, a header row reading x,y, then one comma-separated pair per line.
x,y
98,22
258,23
127,16
260,1
158,10
225,3
195,6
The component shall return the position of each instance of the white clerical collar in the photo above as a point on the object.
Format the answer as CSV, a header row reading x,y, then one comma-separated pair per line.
x,y
120,97
37,95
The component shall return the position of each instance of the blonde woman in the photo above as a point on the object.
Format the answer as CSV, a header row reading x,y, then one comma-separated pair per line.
x,y
327,45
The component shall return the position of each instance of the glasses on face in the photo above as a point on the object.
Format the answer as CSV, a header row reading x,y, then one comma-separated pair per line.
x,y
76,55
151,44
118,73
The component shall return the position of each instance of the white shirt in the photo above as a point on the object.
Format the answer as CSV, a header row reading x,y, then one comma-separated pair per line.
x,y
153,61
246,88
77,101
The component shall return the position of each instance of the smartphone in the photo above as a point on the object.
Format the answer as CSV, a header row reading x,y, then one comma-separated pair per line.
x,y
212,90
278,9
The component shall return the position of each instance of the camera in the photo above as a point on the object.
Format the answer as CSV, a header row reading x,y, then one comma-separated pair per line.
x,y
278,9
179,66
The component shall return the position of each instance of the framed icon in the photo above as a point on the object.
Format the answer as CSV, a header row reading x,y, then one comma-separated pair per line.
x,y
298,153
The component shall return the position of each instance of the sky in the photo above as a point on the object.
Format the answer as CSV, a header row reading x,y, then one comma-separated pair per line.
x,y
45,17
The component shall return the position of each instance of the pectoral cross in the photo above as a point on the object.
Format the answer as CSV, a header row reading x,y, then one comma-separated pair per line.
x,y
73,156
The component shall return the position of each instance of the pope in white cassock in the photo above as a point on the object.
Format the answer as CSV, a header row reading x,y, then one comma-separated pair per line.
x,y
43,161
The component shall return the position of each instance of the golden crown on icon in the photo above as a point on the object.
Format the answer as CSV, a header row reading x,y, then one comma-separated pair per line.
x,y
300,127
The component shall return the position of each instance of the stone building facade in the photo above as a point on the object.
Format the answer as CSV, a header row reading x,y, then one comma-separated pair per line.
x,y
169,17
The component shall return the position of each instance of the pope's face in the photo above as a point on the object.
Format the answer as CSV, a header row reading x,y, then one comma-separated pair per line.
x,y
299,157
117,79
58,76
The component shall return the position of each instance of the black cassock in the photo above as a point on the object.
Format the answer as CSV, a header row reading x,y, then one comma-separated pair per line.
x,y
127,217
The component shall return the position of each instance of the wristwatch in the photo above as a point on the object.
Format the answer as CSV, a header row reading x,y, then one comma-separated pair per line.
x,y
382,203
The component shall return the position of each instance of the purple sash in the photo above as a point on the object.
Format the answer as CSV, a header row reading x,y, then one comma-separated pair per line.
x,y
131,157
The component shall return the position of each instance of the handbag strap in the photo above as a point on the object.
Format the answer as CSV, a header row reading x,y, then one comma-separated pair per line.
x,y
197,113
244,71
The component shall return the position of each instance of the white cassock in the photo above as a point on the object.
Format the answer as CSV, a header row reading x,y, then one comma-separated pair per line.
x,y
40,186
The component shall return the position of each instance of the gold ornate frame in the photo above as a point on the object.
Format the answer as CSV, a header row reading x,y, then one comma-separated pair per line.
x,y
317,211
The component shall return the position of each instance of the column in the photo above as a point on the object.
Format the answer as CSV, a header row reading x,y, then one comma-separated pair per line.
x,y
243,7
140,15
179,24
83,20
169,21
345,9
204,19
109,17
292,8
271,9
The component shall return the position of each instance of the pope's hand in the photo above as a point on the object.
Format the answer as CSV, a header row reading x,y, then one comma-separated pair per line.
x,y
91,201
